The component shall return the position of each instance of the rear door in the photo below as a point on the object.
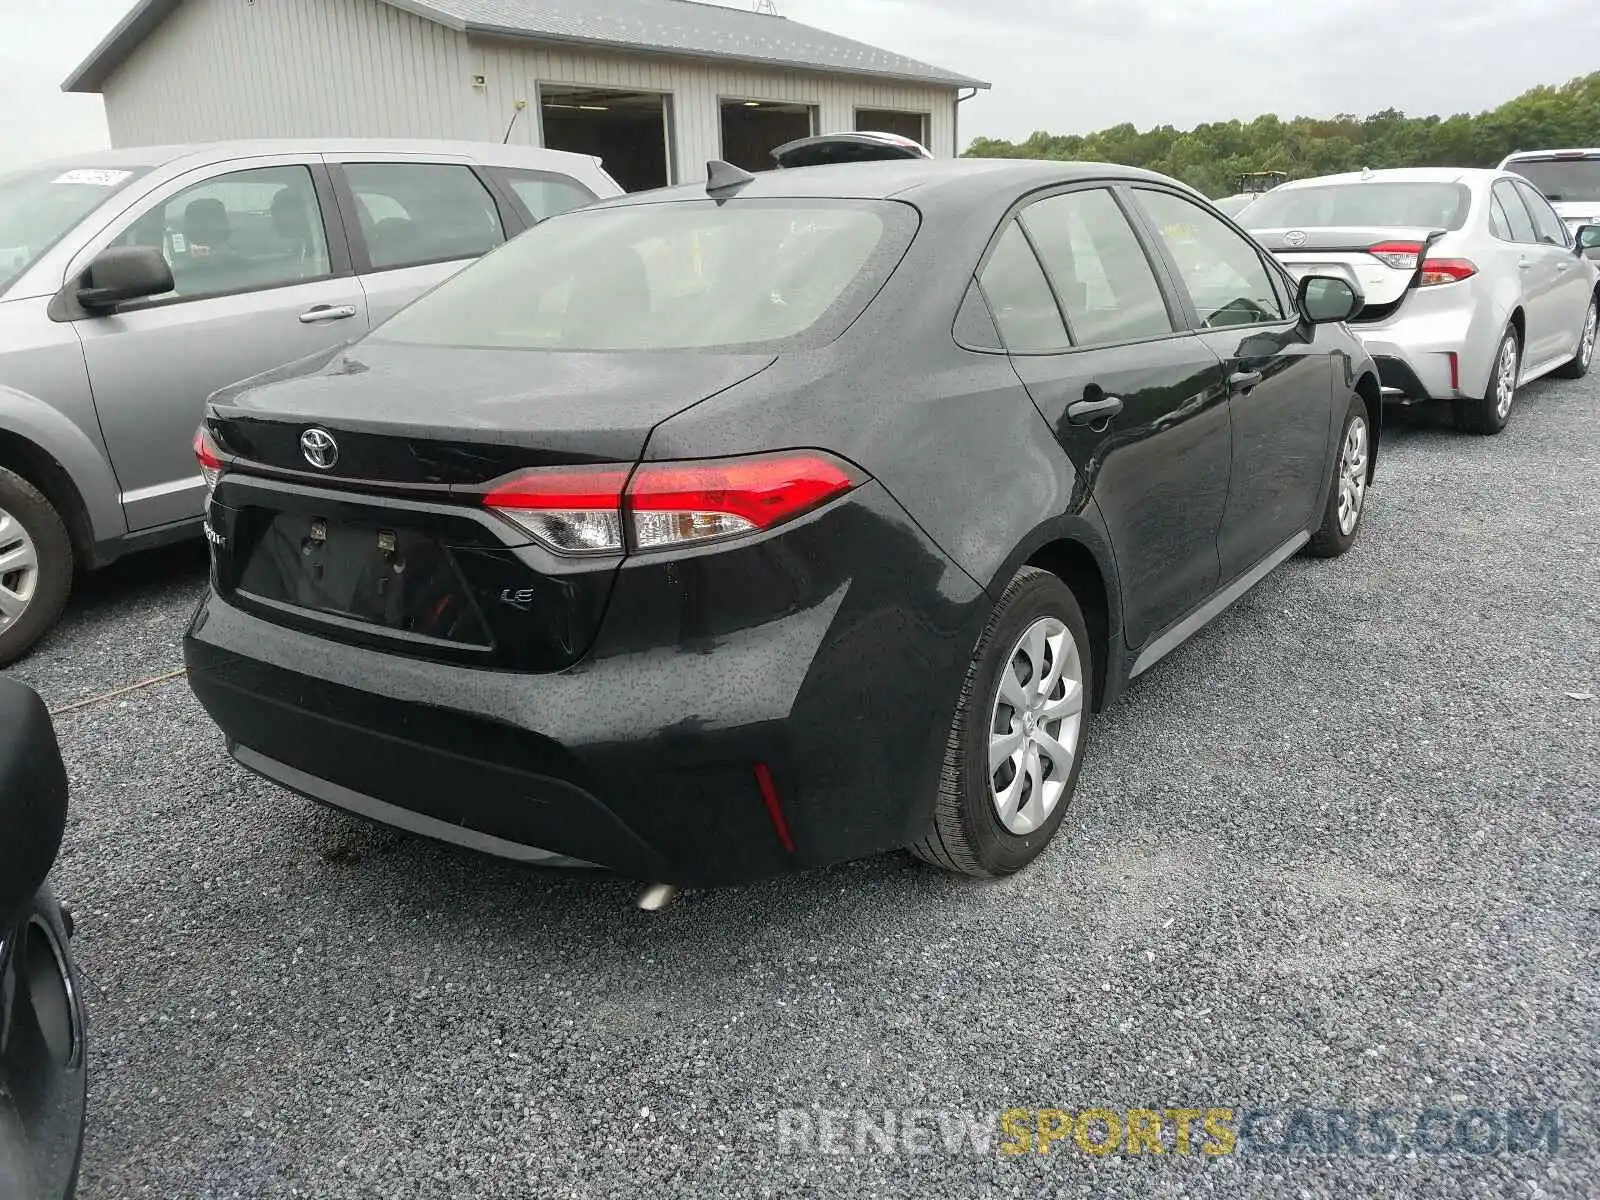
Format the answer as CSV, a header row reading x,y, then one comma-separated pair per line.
x,y
1134,398
1536,265
415,220
263,277
1279,378
1570,287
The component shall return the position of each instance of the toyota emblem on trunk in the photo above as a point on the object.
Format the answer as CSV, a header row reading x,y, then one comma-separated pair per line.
x,y
1295,237
320,449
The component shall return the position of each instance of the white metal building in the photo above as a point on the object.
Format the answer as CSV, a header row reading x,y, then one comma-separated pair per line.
x,y
654,87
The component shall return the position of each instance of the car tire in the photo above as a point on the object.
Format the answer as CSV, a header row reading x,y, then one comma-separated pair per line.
x,y
1578,366
1347,492
1490,414
1035,636
36,564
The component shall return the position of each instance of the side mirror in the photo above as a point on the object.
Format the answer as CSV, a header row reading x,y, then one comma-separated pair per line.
x,y
1327,299
33,797
1587,241
124,273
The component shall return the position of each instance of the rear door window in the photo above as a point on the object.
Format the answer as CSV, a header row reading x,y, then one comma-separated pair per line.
x,y
1516,212
1098,268
542,194
416,213
1546,224
1019,296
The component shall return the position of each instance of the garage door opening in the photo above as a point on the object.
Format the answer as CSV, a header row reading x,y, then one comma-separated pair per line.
x,y
911,125
753,129
626,130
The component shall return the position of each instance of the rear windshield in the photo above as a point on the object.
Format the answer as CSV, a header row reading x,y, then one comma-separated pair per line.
x,y
1563,180
675,276
39,206
1397,205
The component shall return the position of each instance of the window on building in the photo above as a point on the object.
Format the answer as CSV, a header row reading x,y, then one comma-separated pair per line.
x,y
913,125
239,232
415,213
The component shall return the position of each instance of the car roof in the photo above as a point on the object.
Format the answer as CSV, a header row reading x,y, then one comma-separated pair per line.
x,y
1398,175
203,152
1569,152
920,180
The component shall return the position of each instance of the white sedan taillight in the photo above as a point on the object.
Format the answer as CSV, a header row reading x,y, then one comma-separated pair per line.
x,y
590,510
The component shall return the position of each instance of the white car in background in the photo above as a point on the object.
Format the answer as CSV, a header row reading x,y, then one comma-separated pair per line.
x,y
1569,179
1472,284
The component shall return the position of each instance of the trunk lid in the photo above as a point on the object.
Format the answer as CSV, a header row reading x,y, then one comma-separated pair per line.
x,y
390,546
829,148
1348,252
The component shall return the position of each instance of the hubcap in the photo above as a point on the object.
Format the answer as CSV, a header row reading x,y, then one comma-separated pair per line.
x,y
1506,378
19,570
1033,727
1590,327
1352,475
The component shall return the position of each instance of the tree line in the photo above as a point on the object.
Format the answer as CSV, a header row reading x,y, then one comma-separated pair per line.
x,y
1210,157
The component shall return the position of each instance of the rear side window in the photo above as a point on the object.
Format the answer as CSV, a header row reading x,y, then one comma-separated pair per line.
x,y
1499,223
1546,224
1222,270
1099,270
1019,296
1516,212
544,195
688,275
416,213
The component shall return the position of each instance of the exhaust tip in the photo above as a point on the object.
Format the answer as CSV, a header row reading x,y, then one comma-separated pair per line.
x,y
656,897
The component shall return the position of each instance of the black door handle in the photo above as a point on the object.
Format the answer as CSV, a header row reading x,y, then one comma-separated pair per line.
x,y
1243,381
1087,412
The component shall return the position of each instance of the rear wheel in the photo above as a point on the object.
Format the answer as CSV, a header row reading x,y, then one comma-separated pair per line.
x,y
1490,414
35,566
1016,744
1578,366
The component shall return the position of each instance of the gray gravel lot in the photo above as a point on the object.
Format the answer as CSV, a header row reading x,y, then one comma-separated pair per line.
x,y
1340,851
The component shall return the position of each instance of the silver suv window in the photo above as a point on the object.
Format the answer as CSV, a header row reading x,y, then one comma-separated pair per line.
x,y
240,232
417,213
40,206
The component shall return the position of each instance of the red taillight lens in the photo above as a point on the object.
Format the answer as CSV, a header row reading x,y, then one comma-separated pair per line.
x,y
584,510
209,457
1446,270
674,503
1400,255
572,510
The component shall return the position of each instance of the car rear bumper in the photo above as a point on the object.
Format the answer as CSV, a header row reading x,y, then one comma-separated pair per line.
x,y
1439,346
824,659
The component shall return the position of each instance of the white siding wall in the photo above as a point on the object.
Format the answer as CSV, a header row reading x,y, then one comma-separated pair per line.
x,y
361,68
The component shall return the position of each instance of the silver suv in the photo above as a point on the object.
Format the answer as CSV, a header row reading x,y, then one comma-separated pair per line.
x,y
1569,179
1472,284
134,283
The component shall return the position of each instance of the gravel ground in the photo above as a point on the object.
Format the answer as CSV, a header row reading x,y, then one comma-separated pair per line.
x,y
1341,851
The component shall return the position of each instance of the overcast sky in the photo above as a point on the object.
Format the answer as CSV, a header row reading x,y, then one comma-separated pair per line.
x,y
1069,66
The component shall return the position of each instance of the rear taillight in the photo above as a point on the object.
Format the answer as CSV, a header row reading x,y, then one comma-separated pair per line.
x,y
601,510
1445,270
573,510
209,457
1402,256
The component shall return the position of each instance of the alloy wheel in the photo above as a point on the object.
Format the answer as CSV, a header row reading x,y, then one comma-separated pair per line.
x,y
1505,388
1590,326
1033,728
1352,476
19,570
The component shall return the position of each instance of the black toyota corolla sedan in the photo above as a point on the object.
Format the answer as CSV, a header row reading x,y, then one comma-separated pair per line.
x,y
742,527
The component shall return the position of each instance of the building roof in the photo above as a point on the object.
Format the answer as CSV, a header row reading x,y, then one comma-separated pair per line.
x,y
677,27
